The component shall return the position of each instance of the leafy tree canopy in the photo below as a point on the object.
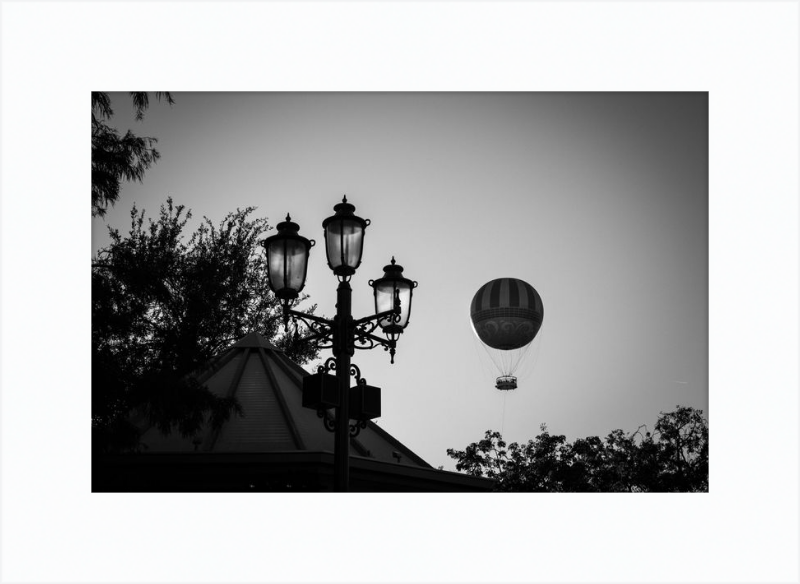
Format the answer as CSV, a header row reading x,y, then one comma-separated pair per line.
x,y
117,157
674,457
162,307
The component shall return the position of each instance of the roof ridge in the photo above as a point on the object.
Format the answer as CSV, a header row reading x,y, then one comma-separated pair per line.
x,y
255,340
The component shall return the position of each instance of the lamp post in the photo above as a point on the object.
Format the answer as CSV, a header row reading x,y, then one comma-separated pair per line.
x,y
287,264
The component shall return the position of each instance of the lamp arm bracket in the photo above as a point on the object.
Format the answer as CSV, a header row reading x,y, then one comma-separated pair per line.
x,y
364,328
323,337
321,328
379,316
364,344
308,317
365,340
366,337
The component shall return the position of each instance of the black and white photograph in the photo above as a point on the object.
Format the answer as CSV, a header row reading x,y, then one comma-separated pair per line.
x,y
227,343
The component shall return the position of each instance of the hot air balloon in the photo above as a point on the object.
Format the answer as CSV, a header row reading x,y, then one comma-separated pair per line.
x,y
506,314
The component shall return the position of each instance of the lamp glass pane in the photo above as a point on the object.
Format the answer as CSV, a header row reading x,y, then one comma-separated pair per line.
x,y
384,300
275,257
344,237
405,303
287,264
296,258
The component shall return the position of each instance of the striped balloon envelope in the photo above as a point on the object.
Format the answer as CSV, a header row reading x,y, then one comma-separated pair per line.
x,y
506,315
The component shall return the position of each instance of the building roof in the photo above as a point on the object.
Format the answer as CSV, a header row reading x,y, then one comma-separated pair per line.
x,y
268,386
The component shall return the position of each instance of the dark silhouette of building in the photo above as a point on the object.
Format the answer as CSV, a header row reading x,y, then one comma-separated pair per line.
x,y
276,445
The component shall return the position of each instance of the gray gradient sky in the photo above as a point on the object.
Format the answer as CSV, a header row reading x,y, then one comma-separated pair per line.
x,y
600,201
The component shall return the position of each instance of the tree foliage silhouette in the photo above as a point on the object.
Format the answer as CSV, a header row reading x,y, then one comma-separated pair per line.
x,y
162,307
116,157
674,457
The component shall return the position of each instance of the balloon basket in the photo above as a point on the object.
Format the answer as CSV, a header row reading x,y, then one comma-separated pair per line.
x,y
506,382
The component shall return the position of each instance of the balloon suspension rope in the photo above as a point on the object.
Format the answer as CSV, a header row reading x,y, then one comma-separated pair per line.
x,y
503,420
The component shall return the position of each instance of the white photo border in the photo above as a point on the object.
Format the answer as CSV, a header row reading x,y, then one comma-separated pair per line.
x,y
745,54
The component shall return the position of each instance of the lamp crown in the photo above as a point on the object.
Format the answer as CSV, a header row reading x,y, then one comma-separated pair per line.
x,y
288,225
344,239
393,267
344,211
344,208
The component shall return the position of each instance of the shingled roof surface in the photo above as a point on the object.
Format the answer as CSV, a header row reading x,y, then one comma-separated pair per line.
x,y
268,386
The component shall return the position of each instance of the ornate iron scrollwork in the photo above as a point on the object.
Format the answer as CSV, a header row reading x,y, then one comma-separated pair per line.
x,y
356,373
355,428
330,425
329,365
344,336
358,334
355,425
365,328
319,329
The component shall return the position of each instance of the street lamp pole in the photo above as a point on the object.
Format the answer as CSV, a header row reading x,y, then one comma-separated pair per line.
x,y
341,445
287,263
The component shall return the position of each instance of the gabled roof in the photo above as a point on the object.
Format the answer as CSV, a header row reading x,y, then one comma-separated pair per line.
x,y
268,386
254,341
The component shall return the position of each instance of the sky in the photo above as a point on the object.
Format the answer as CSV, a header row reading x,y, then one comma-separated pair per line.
x,y
598,200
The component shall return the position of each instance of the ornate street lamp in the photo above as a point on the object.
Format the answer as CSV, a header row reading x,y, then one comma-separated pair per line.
x,y
287,261
392,288
344,239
